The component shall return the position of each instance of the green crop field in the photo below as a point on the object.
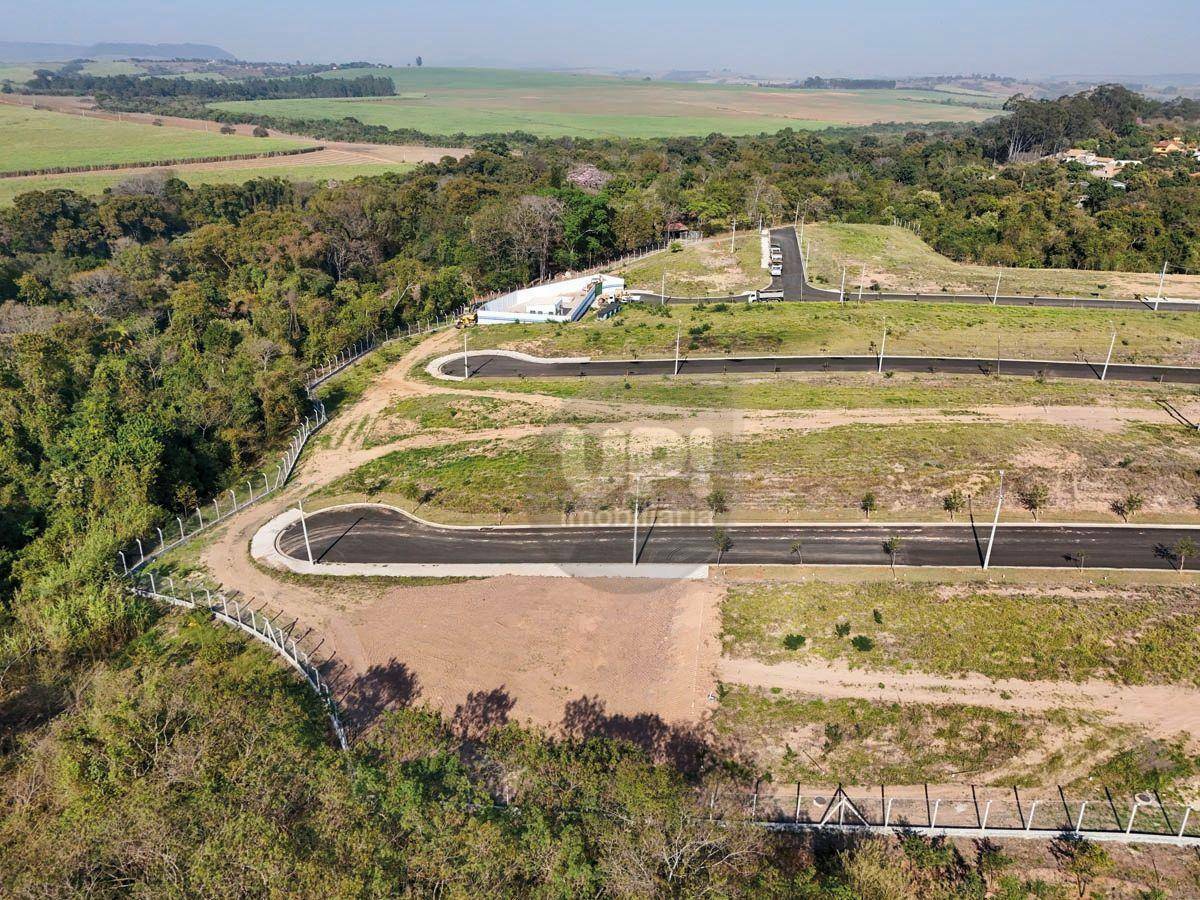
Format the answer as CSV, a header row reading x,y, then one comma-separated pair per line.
x,y
96,183
37,139
547,104
896,259
22,72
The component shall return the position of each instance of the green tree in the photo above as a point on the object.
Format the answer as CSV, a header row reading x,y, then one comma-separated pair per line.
x,y
1034,497
891,547
721,543
954,502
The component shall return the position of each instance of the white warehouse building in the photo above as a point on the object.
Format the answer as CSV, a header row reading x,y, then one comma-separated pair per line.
x,y
561,301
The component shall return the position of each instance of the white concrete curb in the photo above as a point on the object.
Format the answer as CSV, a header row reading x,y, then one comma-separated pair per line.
x,y
434,367
264,548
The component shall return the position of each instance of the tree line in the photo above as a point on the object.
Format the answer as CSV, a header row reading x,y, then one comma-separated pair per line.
x,y
142,87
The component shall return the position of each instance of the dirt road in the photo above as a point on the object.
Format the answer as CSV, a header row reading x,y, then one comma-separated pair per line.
x,y
1162,709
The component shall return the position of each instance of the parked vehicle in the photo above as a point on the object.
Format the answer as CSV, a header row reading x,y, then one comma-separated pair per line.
x,y
776,268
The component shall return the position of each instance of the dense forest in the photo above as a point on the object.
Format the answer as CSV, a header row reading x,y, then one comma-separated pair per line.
x,y
152,344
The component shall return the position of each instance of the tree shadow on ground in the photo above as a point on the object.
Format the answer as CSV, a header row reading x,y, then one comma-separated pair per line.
x,y
481,712
382,687
683,745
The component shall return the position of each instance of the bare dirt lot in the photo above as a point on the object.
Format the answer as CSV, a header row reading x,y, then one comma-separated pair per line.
x,y
633,657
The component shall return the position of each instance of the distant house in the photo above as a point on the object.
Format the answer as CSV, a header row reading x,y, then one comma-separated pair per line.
x,y
1100,166
681,231
1174,145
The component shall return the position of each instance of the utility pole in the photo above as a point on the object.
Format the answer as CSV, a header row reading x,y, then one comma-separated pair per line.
x,y
662,292
733,237
882,345
1161,278
842,290
861,278
637,503
678,333
996,293
1108,359
987,558
304,528
466,363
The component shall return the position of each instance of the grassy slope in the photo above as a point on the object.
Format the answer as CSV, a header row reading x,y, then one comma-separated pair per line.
x,y
1128,636
799,392
702,268
475,101
797,474
796,737
41,139
92,184
896,259
918,329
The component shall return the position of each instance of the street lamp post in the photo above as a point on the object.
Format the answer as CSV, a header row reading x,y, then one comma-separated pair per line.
x,y
987,557
1108,359
304,528
637,503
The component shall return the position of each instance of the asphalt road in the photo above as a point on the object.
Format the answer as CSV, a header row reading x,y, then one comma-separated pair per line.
x,y
373,534
796,288
491,365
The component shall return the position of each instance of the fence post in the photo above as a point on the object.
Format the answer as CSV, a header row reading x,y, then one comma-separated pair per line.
x,y
141,553
153,589
233,498
179,519
161,542
124,564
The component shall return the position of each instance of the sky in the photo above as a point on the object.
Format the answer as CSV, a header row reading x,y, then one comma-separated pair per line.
x,y
766,37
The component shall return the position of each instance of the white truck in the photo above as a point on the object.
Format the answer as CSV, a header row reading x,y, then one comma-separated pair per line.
x,y
776,253
776,269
